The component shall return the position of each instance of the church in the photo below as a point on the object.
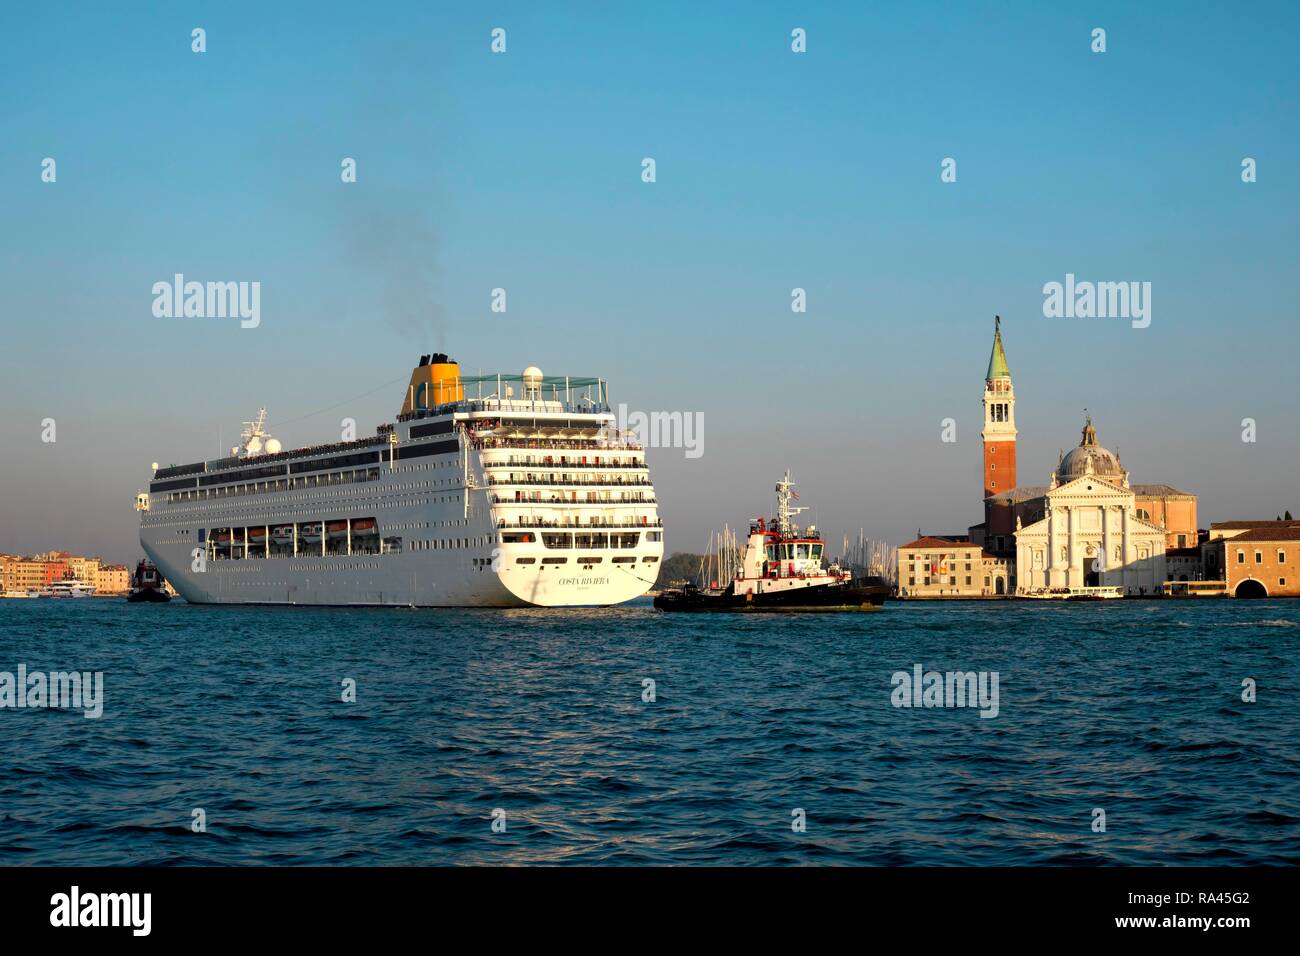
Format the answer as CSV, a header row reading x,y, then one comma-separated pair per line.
x,y
1089,526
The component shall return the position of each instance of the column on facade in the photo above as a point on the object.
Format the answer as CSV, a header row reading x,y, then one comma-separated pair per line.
x,y
1107,557
1049,565
1069,549
1126,546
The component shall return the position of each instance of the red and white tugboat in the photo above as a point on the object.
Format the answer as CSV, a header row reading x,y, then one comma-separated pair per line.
x,y
782,570
147,585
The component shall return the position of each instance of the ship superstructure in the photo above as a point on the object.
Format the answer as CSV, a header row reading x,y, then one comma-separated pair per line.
x,y
490,490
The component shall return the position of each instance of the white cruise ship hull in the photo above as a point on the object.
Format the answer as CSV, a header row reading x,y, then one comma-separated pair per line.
x,y
401,581
492,504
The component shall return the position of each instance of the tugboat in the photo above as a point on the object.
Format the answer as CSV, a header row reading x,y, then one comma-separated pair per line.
x,y
781,570
147,585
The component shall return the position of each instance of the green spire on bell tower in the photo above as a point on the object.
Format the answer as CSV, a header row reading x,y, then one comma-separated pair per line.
x,y
998,358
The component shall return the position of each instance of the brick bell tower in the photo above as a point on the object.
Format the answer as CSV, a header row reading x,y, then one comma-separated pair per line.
x,y
999,432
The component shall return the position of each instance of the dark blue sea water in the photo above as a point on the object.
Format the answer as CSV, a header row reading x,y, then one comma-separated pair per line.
x,y
1133,707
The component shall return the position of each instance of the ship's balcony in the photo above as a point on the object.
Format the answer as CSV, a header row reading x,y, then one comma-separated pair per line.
x,y
549,462
576,443
576,523
552,482
627,500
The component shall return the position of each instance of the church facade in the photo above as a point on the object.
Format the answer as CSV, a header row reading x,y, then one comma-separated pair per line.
x,y
1091,534
1089,526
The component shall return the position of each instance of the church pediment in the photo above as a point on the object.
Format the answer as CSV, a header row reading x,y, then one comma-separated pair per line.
x,y
1148,525
1036,530
1091,487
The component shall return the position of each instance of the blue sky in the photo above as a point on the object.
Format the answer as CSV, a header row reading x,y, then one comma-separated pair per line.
x,y
774,171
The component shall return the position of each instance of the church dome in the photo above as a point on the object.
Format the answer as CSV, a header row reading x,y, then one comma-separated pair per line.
x,y
1104,462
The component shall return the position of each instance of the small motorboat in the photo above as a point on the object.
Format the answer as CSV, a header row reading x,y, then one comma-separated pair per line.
x,y
67,588
1073,594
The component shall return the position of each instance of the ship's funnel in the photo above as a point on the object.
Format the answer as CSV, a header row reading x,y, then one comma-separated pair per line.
x,y
435,381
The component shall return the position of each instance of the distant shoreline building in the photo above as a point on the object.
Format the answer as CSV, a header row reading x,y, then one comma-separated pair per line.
x,y
1254,559
1092,532
20,575
947,567
1088,527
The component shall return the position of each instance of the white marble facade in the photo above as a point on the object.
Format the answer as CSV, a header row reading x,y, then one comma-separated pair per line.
x,y
1090,536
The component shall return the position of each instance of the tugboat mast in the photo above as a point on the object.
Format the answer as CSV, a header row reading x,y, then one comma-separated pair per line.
x,y
784,493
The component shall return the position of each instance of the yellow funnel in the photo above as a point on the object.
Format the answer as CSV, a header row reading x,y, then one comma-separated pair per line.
x,y
435,381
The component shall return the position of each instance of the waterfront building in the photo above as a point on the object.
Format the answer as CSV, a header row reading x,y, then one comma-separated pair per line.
x,y
85,570
55,571
112,579
21,575
1229,529
1254,558
1092,533
1008,505
945,567
1089,526
1184,564
7,562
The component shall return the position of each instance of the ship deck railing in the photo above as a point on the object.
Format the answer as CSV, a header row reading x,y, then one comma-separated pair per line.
x,y
220,464
541,406
559,443
507,500
612,483
549,463
575,524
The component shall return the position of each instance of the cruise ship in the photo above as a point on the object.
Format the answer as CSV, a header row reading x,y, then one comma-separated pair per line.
x,y
486,491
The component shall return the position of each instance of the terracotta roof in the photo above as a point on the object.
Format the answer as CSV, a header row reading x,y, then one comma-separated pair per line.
x,y
1159,491
1237,525
1029,492
1021,493
1265,534
929,542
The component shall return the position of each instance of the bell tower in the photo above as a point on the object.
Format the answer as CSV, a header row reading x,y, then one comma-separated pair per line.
x,y
999,432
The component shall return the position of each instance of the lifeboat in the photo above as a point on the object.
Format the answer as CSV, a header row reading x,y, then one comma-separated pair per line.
x,y
310,532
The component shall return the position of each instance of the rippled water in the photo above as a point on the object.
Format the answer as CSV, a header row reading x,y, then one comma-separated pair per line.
x,y
1133,707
